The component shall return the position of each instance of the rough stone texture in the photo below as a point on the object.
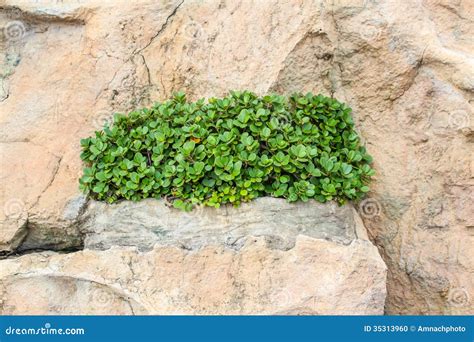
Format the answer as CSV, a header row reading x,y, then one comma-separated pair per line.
x,y
314,277
147,223
406,68
265,257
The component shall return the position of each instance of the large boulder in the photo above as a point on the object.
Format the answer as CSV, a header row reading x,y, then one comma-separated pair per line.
x,y
266,257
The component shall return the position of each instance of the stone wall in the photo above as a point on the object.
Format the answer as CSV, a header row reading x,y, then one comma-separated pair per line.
x,y
265,257
406,68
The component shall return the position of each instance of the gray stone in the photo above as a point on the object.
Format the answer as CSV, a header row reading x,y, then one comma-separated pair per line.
x,y
74,207
152,222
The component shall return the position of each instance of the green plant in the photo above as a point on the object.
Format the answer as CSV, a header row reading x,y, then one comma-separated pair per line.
x,y
229,150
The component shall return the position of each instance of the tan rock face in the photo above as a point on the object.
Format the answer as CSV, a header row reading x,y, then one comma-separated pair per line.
x,y
213,280
406,68
265,257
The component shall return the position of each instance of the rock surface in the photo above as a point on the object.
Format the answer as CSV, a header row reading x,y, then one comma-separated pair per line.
x,y
314,277
406,68
150,222
265,257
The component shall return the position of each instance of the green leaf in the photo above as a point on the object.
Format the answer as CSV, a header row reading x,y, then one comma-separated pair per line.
x,y
346,168
188,147
209,182
94,150
101,176
199,167
135,177
99,187
266,132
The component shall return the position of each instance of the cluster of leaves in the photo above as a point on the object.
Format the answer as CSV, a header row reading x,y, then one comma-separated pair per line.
x,y
229,150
